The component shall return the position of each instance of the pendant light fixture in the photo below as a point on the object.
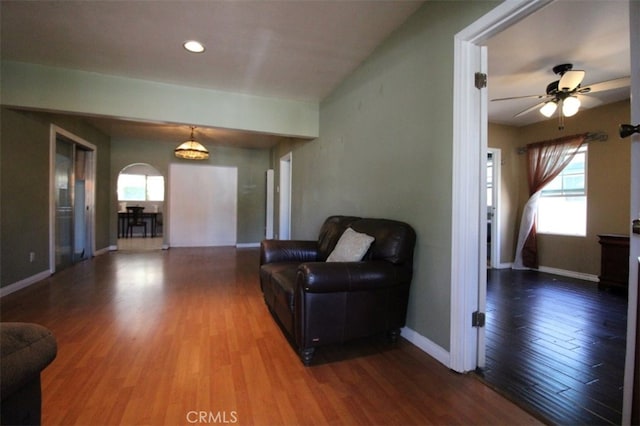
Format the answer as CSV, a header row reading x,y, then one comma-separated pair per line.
x,y
191,150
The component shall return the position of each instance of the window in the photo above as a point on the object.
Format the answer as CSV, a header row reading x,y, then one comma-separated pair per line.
x,y
140,187
490,180
562,207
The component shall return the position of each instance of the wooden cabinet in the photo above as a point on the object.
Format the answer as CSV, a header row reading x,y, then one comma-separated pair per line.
x,y
614,261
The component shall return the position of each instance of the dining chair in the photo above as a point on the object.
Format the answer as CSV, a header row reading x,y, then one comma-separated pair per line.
x,y
135,219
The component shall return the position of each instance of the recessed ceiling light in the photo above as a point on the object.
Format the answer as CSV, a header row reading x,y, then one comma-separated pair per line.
x,y
193,46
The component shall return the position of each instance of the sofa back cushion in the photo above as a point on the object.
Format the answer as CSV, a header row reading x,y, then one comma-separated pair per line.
x,y
394,240
330,233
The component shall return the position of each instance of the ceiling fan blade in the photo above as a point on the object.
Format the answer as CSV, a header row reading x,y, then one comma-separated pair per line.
x,y
606,85
529,109
570,80
520,97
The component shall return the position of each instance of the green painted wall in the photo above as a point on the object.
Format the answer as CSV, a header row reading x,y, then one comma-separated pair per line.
x,y
24,184
44,88
385,150
24,219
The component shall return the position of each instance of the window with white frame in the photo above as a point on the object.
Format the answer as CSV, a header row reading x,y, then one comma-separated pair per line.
x,y
134,187
562,207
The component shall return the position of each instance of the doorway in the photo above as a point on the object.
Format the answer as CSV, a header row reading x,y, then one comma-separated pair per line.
x,y
140,187
469,138
72,189
493,204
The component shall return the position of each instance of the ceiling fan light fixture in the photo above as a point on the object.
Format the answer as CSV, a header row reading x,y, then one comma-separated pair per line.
x,y
191,150
570,106
548,108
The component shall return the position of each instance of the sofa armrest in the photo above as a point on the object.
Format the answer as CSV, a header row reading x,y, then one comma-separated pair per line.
x,y
25,350
328,277
272,251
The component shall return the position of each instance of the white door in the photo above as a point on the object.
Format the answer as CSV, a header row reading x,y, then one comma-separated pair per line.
x,y
202,205
270,206
629,398
284,231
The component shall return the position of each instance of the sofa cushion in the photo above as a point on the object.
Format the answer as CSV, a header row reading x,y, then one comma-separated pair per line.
x,y
351,247
331,231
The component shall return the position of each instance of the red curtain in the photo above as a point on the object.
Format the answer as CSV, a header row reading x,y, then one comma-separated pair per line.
x,y
545,161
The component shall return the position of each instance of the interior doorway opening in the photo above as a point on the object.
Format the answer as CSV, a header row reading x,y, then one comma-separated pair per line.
x,y
493,208
466,342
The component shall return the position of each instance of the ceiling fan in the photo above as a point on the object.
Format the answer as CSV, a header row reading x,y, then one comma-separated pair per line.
x,y
564,93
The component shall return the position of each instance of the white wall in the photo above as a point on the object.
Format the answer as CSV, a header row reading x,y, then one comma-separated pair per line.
x,y
202,205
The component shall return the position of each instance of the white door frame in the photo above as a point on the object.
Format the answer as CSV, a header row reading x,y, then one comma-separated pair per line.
x,y
468,269
469,142
90,189
632,310
284,212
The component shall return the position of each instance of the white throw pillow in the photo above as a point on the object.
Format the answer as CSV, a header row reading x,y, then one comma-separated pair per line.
x,y
351,247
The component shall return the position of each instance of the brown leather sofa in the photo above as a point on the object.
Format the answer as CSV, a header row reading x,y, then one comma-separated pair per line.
x,y
25,350
319,303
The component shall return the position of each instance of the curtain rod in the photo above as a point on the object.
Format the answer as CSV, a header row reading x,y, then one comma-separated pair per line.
x,y
599,136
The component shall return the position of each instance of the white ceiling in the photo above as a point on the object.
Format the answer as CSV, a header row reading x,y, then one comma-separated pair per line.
x,y
296,50
293,49
593,35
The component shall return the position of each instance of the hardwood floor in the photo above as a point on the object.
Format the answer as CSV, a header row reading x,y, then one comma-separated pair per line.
x,y
556,345
182,336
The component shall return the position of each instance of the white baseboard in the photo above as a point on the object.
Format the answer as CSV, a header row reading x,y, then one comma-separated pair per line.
x,y
19,285
247,245
427,346
105,250
570,274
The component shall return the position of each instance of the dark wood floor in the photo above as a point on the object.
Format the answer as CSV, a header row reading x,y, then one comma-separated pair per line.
x,y
556,345
167,337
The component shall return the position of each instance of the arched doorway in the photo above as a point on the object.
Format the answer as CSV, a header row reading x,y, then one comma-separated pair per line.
x,y
140,186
